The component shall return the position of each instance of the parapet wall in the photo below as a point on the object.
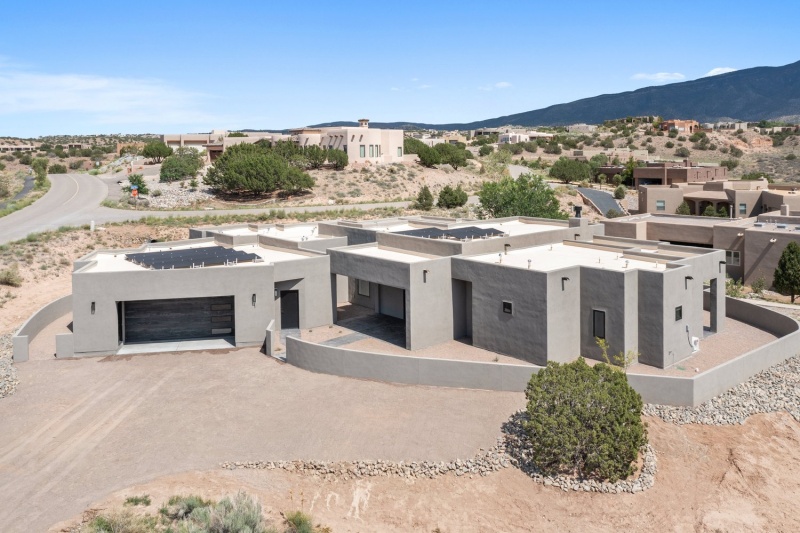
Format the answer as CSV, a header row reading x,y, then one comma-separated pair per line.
x,y
36,323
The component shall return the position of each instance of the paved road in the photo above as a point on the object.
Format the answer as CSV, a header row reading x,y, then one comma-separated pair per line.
x,y
601,199
74,199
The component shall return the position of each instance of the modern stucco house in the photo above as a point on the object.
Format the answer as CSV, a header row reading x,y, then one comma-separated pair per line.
x,y
196,289
535,289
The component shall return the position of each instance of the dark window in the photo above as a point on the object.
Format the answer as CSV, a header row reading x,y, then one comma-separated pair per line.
x,y
599,324
679,313
508,307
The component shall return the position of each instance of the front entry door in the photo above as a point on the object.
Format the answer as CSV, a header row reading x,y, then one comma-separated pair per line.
x,y
290,310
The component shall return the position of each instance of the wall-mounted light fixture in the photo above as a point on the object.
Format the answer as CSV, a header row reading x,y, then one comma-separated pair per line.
x,y
563,280
529,263
686,280
277,293
500,258
424,276
577,236
722,263
254,300
92,307
506,247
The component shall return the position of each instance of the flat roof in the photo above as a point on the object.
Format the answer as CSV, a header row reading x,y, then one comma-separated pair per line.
x,y
510,227
305,232
684,220
548,258
391,254
115,261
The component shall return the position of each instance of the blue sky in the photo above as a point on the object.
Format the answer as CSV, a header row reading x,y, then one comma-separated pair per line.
x,y
180,66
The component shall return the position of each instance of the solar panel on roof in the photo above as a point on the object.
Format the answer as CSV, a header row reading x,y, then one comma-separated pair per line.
x,y
191,258
461,234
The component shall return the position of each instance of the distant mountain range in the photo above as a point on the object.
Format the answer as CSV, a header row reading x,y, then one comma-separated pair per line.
x,y
752,94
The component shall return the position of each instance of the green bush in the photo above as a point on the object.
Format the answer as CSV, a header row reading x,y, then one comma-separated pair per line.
x,y
670,144
791,157
76,165
683,209
620,192
138,180
584,420
428,157
485,150
57,169
184,163
614,213
180,507
682,152
242,514
568,170
424,199
123,522
730,164
735,152
143,500
450,198
709,211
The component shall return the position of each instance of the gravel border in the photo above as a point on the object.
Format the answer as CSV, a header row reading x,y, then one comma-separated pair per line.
x,y
772,390
510,450
8,374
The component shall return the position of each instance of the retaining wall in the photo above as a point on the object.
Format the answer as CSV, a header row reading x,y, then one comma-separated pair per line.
x,y
36,323
404,369
665,390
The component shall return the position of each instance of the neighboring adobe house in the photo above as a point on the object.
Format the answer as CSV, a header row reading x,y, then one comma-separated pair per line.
x,y
196,289
668,173
741,198
681,126
752,245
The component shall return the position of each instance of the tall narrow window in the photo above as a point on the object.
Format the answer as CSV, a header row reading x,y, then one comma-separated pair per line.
x,y
743,209
371,150
362,151
599,324
399,151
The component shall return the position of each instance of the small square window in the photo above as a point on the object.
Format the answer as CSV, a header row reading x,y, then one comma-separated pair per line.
x,y
363,287
508,307
742,209
661,205
732,258
679,313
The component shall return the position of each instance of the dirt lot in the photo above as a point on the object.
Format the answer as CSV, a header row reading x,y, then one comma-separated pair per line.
x,y
710,479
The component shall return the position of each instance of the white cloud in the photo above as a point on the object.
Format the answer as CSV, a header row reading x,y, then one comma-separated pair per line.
x,y
718,70
424,86
498,85
103,99
414,79
659,76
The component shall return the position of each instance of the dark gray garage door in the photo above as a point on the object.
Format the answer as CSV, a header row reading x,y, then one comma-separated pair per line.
x,y
183,318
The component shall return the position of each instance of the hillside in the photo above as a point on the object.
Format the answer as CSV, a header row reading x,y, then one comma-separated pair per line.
x,y
750,94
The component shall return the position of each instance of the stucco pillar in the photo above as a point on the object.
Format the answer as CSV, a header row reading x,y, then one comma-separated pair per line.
x,y
717,305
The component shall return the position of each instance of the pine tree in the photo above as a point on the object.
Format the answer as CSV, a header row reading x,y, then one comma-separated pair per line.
x,y
787,274
683,209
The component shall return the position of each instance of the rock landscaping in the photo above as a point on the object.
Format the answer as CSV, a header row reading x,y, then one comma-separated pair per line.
x,y
8,374
774,389
510,450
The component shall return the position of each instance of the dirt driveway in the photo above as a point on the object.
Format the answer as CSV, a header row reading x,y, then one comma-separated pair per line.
x,y
77,430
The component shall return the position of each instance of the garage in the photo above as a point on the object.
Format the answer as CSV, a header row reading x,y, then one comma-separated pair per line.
x,y
176,319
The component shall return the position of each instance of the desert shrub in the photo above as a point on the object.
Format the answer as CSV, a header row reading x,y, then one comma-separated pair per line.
x,y
759,285
180,507
585,420
683,209
722,212
682,152
485,150
791,157
709,211
730,164
144,500
620,191
733,288
238,515
75,165
10,276
123,522
651,149
337,158
424,199
183,163
614,213
57,169
156,193
450,198
530,146
670,144
735,152
682,138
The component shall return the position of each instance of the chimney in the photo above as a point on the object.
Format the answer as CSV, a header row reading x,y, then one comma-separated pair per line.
x,y
363,123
